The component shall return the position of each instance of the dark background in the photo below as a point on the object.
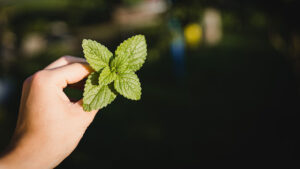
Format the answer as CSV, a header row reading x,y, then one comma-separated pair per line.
x,y
229,102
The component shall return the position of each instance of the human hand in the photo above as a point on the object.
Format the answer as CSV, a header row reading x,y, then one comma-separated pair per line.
x,y
49,125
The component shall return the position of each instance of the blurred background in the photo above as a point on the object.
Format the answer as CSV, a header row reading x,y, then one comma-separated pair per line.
x,y
220,84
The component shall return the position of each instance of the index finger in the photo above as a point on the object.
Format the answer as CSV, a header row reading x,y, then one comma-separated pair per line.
x,y
70,74
62,61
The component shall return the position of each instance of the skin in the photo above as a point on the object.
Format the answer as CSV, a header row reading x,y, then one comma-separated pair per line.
x,y
49,125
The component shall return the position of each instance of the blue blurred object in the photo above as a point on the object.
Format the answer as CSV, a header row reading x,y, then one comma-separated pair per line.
x,y
177,47
5,89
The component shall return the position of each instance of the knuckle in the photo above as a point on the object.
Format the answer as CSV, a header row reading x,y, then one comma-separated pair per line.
x,y
40,77
27,81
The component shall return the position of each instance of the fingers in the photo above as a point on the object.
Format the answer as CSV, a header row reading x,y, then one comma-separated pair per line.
x,y
71,70
65,60
69,74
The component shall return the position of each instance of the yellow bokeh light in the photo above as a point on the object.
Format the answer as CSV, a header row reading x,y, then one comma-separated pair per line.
x,y
193,34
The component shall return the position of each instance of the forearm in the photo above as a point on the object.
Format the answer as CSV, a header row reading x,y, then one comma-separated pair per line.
x,y
28,154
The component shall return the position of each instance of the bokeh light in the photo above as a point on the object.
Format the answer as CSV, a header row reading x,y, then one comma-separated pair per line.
x,y
212,26
193,34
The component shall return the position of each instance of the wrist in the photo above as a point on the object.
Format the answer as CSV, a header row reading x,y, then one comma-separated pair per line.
x,y
25,153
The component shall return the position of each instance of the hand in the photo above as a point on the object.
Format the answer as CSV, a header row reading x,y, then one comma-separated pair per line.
x,y
49,125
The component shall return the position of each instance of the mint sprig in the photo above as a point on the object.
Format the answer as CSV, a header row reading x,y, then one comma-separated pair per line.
x,y
119,70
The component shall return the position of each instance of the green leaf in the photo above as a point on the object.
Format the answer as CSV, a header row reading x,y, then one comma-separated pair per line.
x,y
129,57
135,50
128,85
96,96
120,64
97,55
106,76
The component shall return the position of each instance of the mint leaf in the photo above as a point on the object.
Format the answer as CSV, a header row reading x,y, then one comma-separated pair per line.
x,y
135,50
96,96
97,55
120,64
128,85
106,76
99,90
